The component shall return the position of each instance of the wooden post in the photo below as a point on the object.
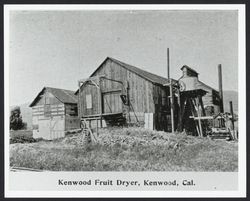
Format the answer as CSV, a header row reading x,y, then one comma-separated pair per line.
x,y
199,115
79,100
179,127
183,108
97,127
128,103
168,63
220,88
232,113
100,100
172,106
202,106
192,110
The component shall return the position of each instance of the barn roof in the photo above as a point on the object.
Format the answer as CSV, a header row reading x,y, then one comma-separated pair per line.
x,y
142,73
202,83
63,95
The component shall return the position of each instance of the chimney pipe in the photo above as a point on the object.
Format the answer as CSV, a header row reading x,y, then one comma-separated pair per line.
x,y
168,63
220,88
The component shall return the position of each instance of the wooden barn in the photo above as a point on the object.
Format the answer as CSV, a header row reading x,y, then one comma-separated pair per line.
x,y
54,111
118,93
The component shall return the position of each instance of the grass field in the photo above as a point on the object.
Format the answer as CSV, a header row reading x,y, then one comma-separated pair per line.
x,y
20,133
128,149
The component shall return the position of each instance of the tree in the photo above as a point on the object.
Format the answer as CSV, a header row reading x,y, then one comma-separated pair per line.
x,y
16,122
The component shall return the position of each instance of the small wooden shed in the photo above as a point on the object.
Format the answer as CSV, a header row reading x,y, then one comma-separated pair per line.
x,y
54,111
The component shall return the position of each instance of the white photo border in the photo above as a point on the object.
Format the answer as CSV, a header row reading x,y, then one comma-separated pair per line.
x,y
241,89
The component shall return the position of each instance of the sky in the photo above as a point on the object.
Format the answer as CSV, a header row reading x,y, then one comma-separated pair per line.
x,y
57,48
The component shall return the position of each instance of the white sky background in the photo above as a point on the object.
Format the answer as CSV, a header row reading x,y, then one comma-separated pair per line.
x,y
57,48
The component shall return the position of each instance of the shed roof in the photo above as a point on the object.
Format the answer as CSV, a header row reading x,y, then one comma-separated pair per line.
x,y
63,95
190,69
142,73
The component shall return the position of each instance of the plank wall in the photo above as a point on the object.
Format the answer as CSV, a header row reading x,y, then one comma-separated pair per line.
x,y
140,90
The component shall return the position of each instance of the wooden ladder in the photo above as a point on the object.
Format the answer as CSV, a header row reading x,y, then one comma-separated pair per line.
x,y
88,132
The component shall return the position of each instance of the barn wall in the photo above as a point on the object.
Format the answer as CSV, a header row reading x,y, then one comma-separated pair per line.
x,y
71,123
93,91
48,117
45,126
140,92
47,96
211,98
71,117
162,119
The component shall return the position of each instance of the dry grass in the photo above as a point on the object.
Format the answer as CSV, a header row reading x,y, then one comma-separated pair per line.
x,y
128,149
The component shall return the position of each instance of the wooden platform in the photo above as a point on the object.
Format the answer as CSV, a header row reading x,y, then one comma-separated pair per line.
x,y
111,119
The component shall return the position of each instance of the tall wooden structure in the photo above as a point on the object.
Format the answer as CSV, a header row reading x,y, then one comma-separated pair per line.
x,y
196,101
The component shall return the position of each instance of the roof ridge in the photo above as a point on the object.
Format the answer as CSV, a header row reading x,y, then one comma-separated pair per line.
x,y
59,89
186,66
66,92
123,63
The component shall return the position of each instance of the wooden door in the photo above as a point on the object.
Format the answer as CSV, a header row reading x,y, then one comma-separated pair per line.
x,y
57,127
44,128
112,102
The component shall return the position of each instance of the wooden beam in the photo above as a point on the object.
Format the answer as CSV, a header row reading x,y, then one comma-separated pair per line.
x,y
79,100
172,106
220,88
168,63
202,118
199,115
111,91
100,100
179,111
192,110
128,99
232,113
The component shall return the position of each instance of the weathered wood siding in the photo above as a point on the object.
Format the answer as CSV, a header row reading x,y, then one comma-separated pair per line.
x,y
162,107
51,118
48,98
211,97
140,91
92,90
71,117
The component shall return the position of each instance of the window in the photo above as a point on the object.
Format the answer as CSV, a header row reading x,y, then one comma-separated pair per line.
x,y
89,101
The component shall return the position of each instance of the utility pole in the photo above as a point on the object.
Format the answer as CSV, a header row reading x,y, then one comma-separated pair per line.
x,y
168,63
220,88
171,93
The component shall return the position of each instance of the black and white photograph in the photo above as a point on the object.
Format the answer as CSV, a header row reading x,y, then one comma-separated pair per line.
x,y
106,91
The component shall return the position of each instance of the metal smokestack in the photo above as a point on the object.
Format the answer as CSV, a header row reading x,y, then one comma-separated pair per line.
x,y
220,88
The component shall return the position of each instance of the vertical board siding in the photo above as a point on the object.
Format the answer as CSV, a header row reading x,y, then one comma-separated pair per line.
x,y
62,117
71,123
52,99
141,92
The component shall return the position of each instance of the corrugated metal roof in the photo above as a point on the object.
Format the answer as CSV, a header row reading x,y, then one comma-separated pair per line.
x,y
63,95
142,73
